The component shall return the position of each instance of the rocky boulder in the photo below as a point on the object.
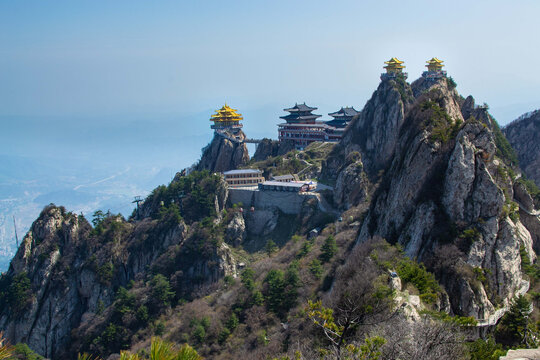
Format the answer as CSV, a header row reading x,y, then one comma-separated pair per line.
x,y
227,151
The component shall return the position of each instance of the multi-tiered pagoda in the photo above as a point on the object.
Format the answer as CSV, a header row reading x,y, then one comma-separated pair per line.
x,y
301,126
394,68
336,126
435,70
226,118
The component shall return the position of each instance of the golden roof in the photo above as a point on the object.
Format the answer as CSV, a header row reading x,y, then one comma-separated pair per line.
x,y
434,61
226,113
394,63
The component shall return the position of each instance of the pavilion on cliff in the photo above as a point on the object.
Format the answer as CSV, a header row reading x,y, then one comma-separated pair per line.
x,y
226,118
435,70
394,67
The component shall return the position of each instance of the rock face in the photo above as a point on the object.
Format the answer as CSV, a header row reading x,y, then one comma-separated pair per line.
x,y
72,271
442,192
271,148
227,151
369,142
351,184
374,133
524,136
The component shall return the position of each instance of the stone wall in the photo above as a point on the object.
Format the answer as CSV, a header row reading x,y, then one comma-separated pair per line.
x,y
287,202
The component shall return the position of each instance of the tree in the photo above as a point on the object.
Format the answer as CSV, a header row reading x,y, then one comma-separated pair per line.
x,y
270,247
161,290
329,249
281,290
485,350
98,218
337,335
515,327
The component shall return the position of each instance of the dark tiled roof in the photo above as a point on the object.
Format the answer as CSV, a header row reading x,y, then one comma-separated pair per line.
x,y
300,107
338,123
300,117
345,112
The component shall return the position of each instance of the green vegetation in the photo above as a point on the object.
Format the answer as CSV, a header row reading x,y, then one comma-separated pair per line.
x,y
295,162
337,333
190,197
451,83
281,289
305,249
443,127
504,150
15,292
516,327
270,247
316,268
159,350
199,328
485,350
161,291
21,351
328,249
532,270
404,89
469,236
456,320
105,273
412,272
531,187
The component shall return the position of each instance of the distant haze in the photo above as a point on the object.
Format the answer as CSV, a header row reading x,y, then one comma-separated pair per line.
x,y
135,58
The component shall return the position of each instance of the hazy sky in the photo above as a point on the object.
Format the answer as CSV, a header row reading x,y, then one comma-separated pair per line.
x,y
147,59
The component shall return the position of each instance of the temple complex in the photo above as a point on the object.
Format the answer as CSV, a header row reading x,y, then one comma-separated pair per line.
x,y
341,118
226,118
435,70
394,68
301,126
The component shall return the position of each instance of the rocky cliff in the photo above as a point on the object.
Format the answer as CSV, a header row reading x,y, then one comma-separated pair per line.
x,y
369,142
445,195
524,136
66,273
226,151
271,148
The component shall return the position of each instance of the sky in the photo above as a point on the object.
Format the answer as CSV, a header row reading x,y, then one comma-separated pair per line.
x,y
93,61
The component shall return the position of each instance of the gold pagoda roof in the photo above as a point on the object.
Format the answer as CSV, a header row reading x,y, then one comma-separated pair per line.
x,y
435,61
226,113
394,63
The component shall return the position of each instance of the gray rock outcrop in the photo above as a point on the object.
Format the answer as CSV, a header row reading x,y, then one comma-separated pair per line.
x,y
227,151
443,187
271,148
524,136
72,270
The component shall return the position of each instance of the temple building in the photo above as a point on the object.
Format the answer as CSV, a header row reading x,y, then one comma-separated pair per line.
x,y
435,70
336,126
301,126
394,68
226,118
